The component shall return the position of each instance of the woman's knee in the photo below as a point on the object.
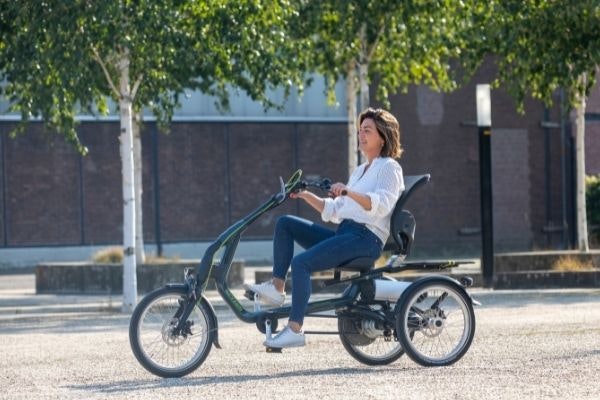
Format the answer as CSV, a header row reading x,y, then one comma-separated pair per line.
x,y
283,222
299,265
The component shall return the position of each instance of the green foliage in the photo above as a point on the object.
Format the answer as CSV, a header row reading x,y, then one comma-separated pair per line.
x,y
407,41
51,53
539,45
592,198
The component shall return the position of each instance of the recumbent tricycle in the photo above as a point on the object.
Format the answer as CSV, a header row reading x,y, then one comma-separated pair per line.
x,y
173,328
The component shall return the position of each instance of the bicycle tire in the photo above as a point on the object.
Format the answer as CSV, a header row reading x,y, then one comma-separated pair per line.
x,y
435,334
151,339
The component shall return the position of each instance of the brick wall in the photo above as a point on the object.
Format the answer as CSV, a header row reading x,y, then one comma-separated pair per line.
x,y
210,175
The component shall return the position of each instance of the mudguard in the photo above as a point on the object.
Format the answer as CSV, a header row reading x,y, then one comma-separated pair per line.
x,y
431,278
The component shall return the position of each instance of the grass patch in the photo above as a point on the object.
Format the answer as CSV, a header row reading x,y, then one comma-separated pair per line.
x,y
110,255
152,259
570,263
114,255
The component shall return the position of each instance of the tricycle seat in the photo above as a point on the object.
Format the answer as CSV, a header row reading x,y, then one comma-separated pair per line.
x,y
402,229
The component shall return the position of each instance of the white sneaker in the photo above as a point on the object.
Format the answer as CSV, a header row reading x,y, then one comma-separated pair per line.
x,y
267,292
286,338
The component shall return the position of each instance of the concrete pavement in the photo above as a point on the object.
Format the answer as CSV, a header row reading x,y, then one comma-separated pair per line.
x,y
528,345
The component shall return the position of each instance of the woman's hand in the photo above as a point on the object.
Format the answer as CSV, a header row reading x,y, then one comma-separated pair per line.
x,y
338,189
301,194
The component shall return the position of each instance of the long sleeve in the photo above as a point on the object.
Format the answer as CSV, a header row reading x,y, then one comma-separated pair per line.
x,y
389,185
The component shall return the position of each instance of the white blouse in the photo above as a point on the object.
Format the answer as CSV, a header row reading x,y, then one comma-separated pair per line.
x,y
383,183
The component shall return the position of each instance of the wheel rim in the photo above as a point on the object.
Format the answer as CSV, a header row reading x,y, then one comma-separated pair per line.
x,y
438,333
164,350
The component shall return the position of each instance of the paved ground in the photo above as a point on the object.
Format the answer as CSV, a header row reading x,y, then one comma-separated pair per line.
x,y
528,345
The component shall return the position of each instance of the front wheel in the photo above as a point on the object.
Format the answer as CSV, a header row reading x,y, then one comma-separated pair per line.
x,y
435,322
155,342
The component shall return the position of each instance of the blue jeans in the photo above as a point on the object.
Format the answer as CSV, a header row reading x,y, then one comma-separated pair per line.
x,y
326,249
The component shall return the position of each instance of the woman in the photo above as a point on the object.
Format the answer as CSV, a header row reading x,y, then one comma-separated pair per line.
x,y
363,215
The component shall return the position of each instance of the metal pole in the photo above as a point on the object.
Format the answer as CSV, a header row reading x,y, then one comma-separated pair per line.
x,y
563,173
4,210
487,221
81,199
547,176
227,133
156,184
484,124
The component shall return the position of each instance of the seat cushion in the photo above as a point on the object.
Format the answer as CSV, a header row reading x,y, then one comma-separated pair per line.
x,y
358,264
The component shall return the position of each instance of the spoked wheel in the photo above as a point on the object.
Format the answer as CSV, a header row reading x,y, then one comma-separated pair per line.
x,y
368,341
435,322
155,342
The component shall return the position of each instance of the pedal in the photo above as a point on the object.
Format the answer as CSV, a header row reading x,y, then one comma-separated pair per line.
x,y
269,336
466,281
273,349
249,294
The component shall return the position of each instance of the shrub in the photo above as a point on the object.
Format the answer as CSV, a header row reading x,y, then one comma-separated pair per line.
x,y
109,255
114,255
569,263
153,259
592,199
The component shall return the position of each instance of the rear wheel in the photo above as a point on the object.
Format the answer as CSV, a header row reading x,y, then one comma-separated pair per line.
x,y
155,342
435,322
369,341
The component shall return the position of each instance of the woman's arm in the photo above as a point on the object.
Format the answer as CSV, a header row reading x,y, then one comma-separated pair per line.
x,y
312,199
363,200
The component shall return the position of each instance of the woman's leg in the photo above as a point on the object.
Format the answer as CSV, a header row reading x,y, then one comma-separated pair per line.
x,y
290,229
326,255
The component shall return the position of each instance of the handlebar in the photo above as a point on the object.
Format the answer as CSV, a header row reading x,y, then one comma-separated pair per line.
x,y
295,184
319,183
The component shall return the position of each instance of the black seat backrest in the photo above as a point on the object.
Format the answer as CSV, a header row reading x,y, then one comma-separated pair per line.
x,y
402,222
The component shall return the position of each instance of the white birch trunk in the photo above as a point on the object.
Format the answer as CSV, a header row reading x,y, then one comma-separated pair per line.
x,y
582,231
351,110
364,86
363,74
363,69
140,254
126,140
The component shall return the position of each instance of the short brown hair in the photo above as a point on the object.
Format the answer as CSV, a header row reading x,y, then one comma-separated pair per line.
x,y
388,128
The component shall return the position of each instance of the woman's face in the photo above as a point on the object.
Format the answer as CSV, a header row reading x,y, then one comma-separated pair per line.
x,y
369,140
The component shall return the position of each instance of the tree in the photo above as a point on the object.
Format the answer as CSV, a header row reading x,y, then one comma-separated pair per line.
x,y
62,56
393,42
542,46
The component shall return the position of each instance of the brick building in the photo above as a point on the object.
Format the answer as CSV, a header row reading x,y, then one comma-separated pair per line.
x,y
211,170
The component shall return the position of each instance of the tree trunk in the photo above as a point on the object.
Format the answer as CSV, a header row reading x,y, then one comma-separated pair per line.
x,y
140,254
364,86
363,68
582,231
126,139
351,109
